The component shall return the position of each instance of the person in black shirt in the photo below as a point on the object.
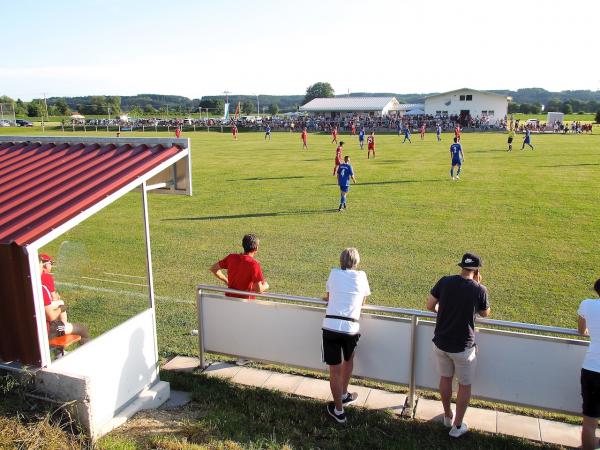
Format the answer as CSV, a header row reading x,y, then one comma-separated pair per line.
x,y
457,299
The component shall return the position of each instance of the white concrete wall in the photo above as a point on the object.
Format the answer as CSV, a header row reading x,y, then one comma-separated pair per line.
x,y
481,102
512,367
115,367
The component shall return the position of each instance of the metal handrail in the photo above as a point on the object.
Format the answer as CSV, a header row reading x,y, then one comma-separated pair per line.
x,y
404,311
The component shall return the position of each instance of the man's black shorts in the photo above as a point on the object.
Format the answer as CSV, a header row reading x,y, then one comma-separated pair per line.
x,y
334,344
590,392
57,328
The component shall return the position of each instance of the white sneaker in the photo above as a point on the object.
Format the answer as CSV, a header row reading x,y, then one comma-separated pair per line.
x,y
458,432
448,421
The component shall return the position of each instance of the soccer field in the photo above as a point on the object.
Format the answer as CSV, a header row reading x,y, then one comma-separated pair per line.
x,y
531,215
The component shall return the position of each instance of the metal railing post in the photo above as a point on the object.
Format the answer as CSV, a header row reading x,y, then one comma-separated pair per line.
x,y
414,321
200,330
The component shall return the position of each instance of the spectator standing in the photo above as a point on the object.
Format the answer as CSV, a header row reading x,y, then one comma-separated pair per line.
x,y
589,325
457,299
244,272
345,173
347,290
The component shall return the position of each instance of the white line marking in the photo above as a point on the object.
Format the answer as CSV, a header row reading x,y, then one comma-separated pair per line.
x,y
124,293
113,281
123,275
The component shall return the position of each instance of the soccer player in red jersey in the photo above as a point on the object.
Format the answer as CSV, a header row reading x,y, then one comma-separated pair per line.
x,y
234,131
177,132
422,130
334,135
304,138
338,156
353,129
371,145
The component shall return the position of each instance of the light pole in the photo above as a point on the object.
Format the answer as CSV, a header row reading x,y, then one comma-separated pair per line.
x,y
257,105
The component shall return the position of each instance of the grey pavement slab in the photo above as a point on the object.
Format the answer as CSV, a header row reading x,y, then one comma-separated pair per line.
x,y
222,370
379,399
311,387
363,394
560,433
176,400
283,382
251,377
481,419
182,364
429,410
521,426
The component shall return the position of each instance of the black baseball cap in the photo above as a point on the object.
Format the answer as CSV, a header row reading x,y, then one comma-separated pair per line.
x,y
470,261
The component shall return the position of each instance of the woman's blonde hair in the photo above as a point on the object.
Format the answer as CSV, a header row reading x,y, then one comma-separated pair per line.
x,y
349,258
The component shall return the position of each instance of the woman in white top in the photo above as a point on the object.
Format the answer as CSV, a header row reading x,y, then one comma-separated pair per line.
x,y
589,325
347,291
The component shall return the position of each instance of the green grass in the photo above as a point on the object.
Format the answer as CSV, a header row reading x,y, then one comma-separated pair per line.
x,y
586,117
529,214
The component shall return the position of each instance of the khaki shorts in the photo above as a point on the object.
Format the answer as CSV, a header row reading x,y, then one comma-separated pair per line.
x,y
462,364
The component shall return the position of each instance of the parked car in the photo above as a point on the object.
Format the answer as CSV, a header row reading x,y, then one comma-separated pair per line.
x,y
23,123
4,123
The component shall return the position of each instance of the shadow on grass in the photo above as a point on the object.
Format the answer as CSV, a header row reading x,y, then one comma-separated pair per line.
x,y
249,216
572,165
268,178
259,418
375,183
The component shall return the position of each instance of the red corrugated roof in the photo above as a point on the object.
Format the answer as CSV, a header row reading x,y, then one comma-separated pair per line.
x,y
43,185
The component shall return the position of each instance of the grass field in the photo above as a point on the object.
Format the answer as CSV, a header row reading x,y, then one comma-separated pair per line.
x,y
530,214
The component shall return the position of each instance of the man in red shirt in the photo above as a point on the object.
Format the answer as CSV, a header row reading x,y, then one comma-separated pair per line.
x,y
177,132
304,138
54,308
243,271
334,135
457,133
234,131
371,145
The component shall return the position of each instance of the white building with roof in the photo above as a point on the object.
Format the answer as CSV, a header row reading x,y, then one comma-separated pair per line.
x,y
468,102
342,106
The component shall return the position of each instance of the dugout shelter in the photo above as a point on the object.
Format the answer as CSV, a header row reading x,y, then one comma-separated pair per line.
x,y
48,186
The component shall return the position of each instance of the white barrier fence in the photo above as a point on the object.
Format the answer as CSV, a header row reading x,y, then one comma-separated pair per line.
x,y
513,367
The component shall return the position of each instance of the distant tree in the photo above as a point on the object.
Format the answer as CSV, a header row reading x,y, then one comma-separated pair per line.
x,y
61,106
6,99
525,108
513,108
247,107
20,108
566,108
598,116
536,108
149,109
318,90
554,105
136,111
273,109
34,109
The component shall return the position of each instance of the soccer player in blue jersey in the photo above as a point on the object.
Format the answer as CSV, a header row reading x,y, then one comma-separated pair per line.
x,y
457,156
361,138
406,135
267,132
527,139
345,173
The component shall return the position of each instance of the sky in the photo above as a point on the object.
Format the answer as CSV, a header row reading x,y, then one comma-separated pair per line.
x,y
280,47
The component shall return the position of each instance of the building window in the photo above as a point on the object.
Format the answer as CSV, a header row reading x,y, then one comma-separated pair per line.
x,y
490,113
462,98
444,113
484,113
469,98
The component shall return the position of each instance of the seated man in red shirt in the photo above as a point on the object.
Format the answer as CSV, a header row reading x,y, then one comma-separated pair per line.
x,y
243,271
56,315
